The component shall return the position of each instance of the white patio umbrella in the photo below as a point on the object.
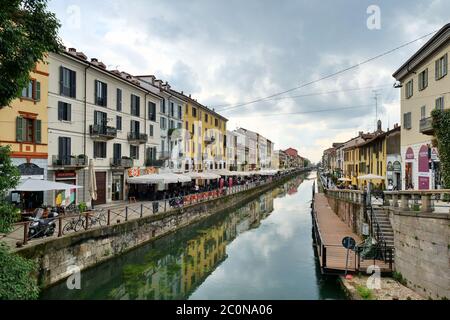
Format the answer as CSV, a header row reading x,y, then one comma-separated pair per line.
x,y
156,178
345,179
202,175
370,177
44,185
92,180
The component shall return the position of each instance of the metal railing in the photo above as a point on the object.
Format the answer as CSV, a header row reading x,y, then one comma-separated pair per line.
x,y
102,131
122,162
76,222
70,161
137,136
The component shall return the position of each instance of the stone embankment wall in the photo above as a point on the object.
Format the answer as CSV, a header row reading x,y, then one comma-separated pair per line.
x,y
422,252
351,213
57,258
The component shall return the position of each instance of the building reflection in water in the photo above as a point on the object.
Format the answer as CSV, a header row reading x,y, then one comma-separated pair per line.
x,y
174,266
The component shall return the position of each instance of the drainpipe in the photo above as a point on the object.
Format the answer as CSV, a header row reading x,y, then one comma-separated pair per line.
x,y
85,126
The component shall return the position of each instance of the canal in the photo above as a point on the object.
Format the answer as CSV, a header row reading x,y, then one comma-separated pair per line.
x,y
263,250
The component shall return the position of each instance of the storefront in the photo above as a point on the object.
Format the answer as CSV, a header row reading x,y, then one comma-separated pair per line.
x,y
29,200
66,197
409,164
117,186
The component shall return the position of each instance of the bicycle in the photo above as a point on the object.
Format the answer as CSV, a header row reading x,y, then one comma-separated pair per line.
x,y
74,224
99,219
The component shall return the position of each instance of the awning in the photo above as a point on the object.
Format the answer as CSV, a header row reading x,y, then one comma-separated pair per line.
x,y
44,185
156,178
202,175
370,177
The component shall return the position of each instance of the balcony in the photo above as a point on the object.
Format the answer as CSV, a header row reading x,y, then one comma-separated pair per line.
x,y
122,163
164,155
154,163
136,137
426,126
102,132
72,162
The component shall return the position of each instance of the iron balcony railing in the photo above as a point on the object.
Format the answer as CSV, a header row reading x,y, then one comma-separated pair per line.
x,y
70,161
137,137
102,131
122,162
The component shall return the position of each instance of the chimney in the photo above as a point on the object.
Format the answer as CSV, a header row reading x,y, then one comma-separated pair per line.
x,y
379,125
72,50
94,61
102,65
81,55
189,95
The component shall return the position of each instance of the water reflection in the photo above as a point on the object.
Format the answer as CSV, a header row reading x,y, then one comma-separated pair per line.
x,y
219,257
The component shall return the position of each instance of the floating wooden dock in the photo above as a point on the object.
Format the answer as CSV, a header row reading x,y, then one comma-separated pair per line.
x,y
328,232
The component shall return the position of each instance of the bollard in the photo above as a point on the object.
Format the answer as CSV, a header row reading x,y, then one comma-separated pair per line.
x,y
126,213
109,217
142,209
25,233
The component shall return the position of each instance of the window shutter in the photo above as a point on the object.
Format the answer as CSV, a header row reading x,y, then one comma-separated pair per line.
x,y
73,84
445,65
104,94
19,129
61,80
60,110
38,91
426,77
96,92
37,131
436,69
69,112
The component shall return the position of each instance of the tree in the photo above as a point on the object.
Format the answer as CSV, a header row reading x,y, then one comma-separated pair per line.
x,y
441,126
27,32
15,271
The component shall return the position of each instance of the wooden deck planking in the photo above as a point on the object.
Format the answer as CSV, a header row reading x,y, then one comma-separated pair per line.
x,y
333,230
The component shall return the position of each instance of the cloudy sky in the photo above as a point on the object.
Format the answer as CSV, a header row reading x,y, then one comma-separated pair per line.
x,y
226,53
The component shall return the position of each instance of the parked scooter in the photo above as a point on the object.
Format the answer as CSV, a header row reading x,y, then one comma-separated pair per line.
x,y
42,227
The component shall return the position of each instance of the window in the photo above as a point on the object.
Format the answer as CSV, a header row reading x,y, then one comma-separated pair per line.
x,y
409,89
440,103
118,122
101,90
193,127
187,109
163,123
100,118
152,111
180,110
67,82
32,90
407,120
423,79
440,67
163,144
28,130
135,105
216,122
117,151
119,99
162,106
134,126
99,149
64,111
206,117
171,126
134,152
151,130
422,112
172,110
194,112
187,125
151,153
179,125
64,149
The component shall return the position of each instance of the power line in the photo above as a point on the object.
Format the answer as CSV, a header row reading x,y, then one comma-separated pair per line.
x,y
336,73
307,112
316,94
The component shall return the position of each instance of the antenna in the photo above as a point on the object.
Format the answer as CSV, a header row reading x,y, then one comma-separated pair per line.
x,y
376,95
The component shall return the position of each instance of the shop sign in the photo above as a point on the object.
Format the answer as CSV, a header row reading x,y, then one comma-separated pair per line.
x,y
423,159
65,174
150,170
424,183
409,154
390,167
397,166
434,154
134,172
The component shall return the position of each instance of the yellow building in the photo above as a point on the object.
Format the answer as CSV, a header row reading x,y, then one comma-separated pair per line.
x,y
351,156
204,144
24,128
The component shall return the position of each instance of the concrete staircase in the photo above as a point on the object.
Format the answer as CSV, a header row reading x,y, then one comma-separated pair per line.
x,y
385,226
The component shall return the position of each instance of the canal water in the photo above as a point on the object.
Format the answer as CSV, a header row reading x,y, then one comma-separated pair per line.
x,y
263,250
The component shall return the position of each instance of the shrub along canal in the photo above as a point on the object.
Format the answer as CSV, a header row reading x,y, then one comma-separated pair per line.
x,y
263,250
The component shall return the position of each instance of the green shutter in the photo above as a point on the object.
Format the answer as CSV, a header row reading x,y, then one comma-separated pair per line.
x,y
19,129
38,91
37,131
445,65
436,69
